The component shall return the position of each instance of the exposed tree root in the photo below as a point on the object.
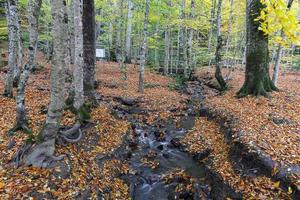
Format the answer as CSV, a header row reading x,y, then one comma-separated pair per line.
x,y
42,154
19,127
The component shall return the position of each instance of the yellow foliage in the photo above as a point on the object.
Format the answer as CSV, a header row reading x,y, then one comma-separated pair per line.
x,y
276,17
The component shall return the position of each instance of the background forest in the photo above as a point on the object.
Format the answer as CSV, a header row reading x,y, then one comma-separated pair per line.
x,y
189,99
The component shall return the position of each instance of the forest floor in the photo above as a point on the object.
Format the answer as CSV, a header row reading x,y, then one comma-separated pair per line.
x,y
273,124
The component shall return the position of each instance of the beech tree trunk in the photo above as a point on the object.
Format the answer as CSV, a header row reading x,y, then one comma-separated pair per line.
x,y
33,16
45,150
279,52
257,78
212,19
78,51
143,50
128,32
89,51
218,73
184,42
191,36
71,33
167,51
228,32
12,16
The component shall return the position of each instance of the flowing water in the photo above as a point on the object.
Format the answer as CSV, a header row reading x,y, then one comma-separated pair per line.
x,y
146,183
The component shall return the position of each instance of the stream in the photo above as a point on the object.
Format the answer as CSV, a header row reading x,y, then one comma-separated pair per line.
x,y
158,143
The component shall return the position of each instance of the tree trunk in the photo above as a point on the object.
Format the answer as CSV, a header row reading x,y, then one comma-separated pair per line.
x,y
71,37
191,36
78,64
277,62
184,42
212,19
167,51
228,32
20,52
257,78
128,32
143,50
42,152
89,51
178,51
33,15
218,73
156,48
279,52
12,16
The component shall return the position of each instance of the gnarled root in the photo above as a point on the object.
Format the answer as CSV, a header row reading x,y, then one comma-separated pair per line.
x,y
19,156
19,127
42,155
69,135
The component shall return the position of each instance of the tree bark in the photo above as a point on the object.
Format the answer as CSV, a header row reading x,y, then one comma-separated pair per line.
x,y
228,32
42,152
12,16
191,36
279,52
89,51
78,51
167,51
33,17
71,37
184,42
212,19
218,73
128,32
143,50
257,77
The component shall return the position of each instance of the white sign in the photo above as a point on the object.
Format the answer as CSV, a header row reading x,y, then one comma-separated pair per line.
x,y
100,53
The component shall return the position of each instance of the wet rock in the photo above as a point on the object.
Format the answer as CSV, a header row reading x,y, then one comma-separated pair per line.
x,y
201,155
86,194
151,154
279,120
160,147
43,109
63,170
176,142
127,101
166,155
11,144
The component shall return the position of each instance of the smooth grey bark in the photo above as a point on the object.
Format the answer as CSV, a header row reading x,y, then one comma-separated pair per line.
x,y
20,51
229,31
120,54
279,52
78,51
12,16
156,57
128,32
33,17
43,153
178,50
183,41
191,36
71,38
143,50
89,51
33,10
167,51
218,58
212,19
257,77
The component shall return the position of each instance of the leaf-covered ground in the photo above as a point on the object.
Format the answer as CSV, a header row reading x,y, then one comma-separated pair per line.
x,y
81,172
272,123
